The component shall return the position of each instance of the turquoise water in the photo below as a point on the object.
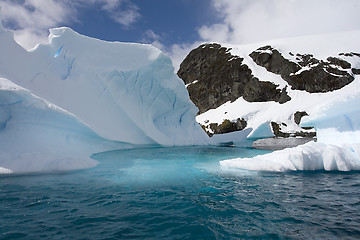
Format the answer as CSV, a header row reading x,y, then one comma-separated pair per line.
x,y
179,193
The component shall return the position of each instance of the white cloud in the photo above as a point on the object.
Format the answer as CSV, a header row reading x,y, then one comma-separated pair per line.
x,y
126,17
149,36
245,21
31,19
177,52
121,11
109,5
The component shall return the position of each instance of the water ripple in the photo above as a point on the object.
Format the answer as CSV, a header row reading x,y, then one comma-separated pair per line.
x,y
105,202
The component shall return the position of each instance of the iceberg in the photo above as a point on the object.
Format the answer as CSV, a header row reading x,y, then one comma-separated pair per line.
x,y
76,96
123,91
38,136
308,157
337,149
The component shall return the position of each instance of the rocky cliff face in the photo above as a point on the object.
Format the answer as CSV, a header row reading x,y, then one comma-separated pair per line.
x,y
214,76
306,72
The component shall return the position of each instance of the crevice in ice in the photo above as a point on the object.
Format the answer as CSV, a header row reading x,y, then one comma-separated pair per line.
x,y
126,78
156,97
173,106
11,102
182,115
70,67
36,76
58,52
349,122
3,122
137,77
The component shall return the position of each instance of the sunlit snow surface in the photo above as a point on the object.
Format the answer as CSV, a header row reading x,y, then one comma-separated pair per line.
x,y
337,148
335,115
259,114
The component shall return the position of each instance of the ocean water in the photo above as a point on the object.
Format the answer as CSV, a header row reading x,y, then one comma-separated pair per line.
x,y
179,193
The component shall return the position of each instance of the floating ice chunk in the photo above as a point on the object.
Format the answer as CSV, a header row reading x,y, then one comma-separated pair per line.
x,y
262,131
5,171
237,138
310,156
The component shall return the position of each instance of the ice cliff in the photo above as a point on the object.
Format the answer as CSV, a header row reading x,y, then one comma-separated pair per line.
x,y
123,91
37,136
78,95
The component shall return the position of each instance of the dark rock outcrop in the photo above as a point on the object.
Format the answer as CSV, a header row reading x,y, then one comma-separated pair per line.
x,y
276,128
214,76
351,54
298,115
259,91
273,61
319,76
339,62
227,126
355,71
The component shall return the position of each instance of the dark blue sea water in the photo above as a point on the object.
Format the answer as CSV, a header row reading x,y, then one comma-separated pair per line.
x,y
179,193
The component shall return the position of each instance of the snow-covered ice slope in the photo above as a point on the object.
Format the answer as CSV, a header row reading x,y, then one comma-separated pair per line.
x,y
123,91
259,114
337,123
335,115
338,147
37,136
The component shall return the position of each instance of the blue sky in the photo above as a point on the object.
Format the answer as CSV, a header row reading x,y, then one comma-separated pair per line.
x,y
169,22
177,26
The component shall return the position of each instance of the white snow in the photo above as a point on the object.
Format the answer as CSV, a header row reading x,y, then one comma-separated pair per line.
x,y
335,115
338,146
310,156
259,114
